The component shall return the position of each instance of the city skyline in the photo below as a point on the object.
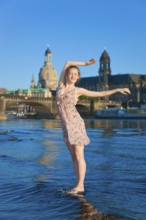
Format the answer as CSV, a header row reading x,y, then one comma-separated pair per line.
x,y
74,30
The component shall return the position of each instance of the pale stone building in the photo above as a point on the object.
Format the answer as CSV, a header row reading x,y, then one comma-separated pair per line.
x,y
48,77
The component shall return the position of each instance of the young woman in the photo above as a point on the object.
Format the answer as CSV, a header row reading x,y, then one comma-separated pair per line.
x,y
73,125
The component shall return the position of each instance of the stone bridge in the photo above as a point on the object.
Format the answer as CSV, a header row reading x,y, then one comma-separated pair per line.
x,y
47,106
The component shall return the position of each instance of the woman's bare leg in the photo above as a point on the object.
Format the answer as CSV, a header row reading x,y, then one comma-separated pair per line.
x,y
80,166
71,150
77,154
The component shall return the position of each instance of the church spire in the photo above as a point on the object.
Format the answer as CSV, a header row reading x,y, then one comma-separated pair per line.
x,y
104,69
32,86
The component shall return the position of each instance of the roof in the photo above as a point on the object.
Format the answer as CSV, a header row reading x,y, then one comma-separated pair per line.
x,y
113,79
2,90
88,81
124,78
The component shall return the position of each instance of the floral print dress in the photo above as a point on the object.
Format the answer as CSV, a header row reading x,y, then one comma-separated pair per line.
x,y
73,126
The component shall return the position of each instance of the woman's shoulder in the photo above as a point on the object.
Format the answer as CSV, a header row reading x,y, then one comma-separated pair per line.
x,y
78,90
81,91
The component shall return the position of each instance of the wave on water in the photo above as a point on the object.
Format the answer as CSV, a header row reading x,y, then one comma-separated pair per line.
x,y
35,166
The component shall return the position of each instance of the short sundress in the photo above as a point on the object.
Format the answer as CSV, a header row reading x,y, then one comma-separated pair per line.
x,y
73,126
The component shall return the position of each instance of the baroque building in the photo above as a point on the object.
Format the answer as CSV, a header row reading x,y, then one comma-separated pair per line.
x,y
104,70
105,80
48,77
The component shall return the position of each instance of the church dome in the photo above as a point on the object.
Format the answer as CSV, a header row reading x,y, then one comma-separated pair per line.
x,y
48,72
48,77
105,57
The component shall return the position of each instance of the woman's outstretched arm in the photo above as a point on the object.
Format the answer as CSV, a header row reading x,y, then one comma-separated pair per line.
x,y
89,93
73,63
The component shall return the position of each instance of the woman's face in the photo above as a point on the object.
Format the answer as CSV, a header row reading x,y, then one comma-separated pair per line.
x,y
72,76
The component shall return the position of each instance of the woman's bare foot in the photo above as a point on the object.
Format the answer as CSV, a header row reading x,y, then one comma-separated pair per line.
x,y
76,190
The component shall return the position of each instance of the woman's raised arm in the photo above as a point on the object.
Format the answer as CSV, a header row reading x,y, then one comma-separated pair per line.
x,y
73,63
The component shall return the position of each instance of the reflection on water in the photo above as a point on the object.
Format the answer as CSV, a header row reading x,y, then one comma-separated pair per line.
x,y
49,154
47,158
35,165
110,127
96,123
88,212
51,123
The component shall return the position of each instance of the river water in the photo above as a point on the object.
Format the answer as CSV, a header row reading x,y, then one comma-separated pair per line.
x,y
35,166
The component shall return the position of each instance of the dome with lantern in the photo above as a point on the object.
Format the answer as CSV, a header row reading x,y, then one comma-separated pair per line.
x,y
48,77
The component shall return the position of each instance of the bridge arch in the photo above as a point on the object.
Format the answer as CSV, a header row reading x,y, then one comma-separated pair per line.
x,y
44,106
39,107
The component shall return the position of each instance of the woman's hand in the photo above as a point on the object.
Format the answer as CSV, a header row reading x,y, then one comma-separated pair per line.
x,y
124,91
89,62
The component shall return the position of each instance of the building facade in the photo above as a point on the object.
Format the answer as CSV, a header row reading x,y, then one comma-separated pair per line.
x,y
37,92
48,77
105,80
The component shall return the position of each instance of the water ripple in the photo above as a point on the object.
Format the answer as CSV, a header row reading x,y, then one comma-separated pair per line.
x,y
35,166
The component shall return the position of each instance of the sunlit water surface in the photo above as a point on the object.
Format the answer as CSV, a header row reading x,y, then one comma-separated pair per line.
x,y
35,166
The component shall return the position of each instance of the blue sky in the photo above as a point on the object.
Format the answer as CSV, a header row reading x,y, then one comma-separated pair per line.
x,y
75,30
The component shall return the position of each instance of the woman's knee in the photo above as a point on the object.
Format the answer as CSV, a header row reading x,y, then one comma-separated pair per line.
x,y
78,152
